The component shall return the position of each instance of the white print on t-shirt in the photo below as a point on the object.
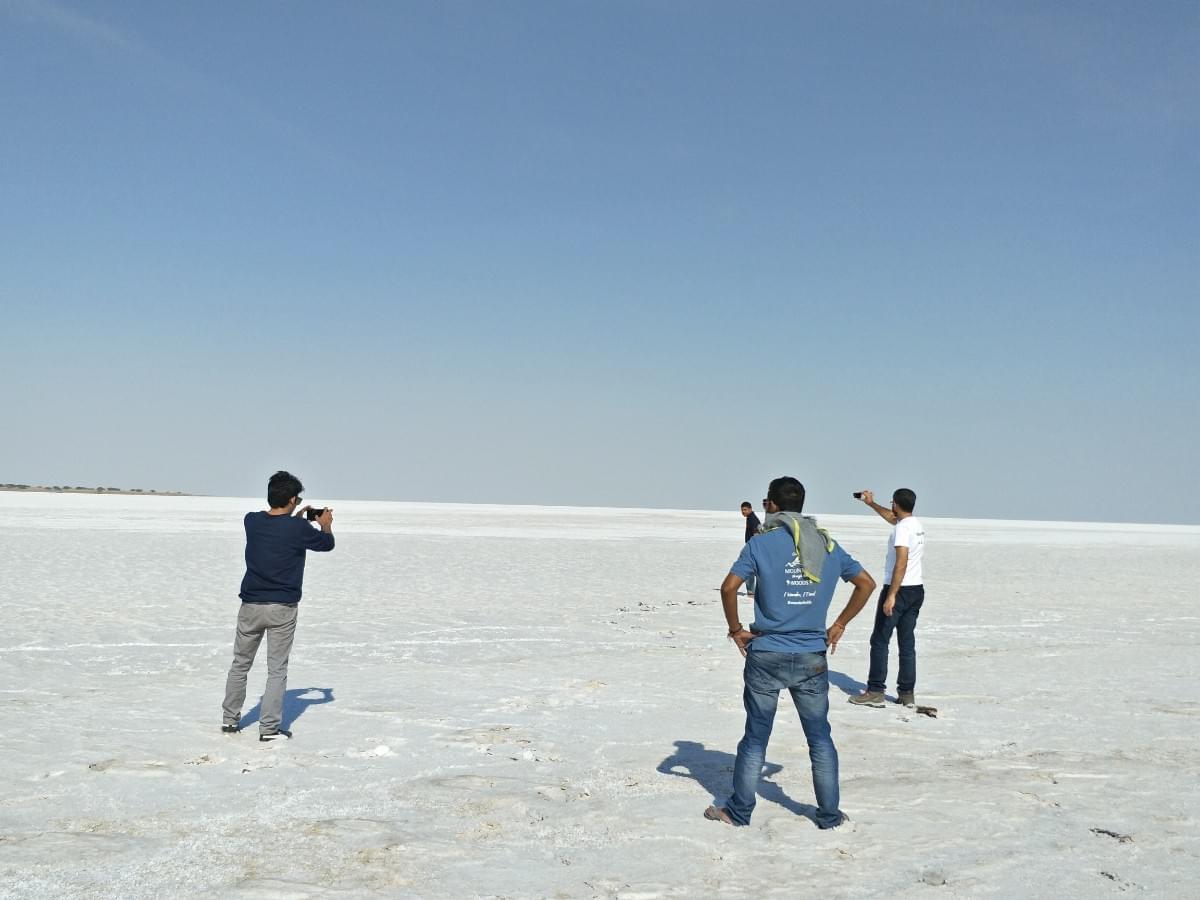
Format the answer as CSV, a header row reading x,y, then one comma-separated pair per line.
x,y
910,533
793,574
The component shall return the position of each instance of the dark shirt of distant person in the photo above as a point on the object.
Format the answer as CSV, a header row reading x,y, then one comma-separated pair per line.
x,y
753,527
752,523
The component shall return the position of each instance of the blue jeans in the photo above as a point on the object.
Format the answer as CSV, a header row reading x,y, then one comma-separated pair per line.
x,y
903,621
806,676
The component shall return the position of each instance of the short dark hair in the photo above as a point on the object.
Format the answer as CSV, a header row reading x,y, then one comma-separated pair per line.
x,y
787,493
746,505
282,487
905,499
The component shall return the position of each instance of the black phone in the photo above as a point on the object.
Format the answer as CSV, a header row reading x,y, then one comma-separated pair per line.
x,y
312,514
858,495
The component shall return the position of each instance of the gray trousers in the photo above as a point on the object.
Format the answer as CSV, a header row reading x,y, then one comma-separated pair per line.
x,y
278,622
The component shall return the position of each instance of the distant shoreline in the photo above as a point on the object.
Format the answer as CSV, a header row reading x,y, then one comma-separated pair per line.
x,y
63,489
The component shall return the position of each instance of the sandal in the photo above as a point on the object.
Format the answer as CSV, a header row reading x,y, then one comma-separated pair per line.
x,y
718,814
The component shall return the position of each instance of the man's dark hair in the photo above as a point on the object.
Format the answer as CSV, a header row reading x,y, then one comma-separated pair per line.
x,y
746,505
905,499
282,487
787,493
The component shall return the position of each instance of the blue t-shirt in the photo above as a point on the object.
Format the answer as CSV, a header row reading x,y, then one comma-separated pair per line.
x,y
275,548
789,609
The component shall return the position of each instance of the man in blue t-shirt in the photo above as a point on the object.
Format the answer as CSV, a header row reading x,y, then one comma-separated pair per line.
x,y
276,544
797,565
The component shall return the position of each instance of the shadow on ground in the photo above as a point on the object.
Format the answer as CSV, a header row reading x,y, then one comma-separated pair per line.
x,y
295,702
713,769
851,687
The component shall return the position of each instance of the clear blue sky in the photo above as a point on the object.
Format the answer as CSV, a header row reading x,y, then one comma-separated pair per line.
x,y
606,253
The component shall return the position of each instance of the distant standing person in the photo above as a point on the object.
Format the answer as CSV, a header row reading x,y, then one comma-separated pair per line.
x,y
752,527
899,601
276,544
798,566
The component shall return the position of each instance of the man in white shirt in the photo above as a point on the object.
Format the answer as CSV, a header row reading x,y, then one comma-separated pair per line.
x,y
899,601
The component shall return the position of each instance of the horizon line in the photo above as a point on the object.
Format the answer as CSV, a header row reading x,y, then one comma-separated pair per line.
x,y
137,492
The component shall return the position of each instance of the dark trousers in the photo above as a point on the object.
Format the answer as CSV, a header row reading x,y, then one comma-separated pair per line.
x,y
903,621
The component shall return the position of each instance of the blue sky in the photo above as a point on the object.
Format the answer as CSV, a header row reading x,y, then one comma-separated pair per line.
x,y
616,254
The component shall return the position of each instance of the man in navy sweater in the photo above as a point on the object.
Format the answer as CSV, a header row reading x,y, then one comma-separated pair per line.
x,y
276,543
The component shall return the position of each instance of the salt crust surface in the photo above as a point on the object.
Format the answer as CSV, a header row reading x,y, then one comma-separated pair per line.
x,y
539,702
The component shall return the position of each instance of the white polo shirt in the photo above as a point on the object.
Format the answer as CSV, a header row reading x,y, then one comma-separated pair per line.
x,y
910,533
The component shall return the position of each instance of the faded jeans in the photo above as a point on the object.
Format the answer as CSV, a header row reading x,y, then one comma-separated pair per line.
x,y
806,677
903,621
278,622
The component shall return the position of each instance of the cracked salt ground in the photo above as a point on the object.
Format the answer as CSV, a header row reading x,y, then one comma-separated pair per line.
x,y
499,727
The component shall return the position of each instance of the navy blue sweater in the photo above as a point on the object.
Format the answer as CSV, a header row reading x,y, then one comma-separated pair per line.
x,y
752,526
275,548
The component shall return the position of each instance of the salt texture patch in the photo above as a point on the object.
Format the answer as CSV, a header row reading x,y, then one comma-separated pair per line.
x,y
531,702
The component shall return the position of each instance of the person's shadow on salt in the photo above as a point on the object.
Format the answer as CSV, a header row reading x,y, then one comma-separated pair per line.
x,y
295,702
713,769
851,687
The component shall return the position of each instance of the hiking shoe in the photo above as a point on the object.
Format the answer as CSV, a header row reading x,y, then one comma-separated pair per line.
x,y
868,698
906,698
272,735
230,729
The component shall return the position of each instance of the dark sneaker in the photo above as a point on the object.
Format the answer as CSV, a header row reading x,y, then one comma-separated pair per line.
x,y
868,698
838,824
230,729
272,735
906,698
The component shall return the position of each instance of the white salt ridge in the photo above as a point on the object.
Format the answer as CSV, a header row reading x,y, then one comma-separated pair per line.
x,y
534,702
